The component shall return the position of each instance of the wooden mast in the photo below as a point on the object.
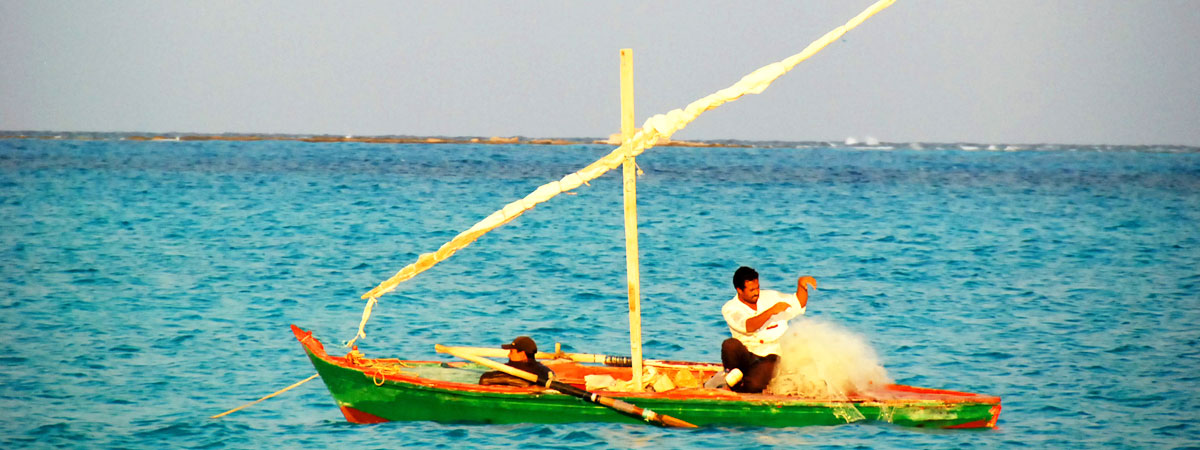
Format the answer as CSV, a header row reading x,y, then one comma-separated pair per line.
x,y
631,234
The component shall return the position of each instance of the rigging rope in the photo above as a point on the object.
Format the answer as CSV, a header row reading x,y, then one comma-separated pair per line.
x,y
660,126
218,416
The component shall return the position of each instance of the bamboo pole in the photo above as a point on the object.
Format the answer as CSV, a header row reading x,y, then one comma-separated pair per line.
x,y
660,126
631,233
592,358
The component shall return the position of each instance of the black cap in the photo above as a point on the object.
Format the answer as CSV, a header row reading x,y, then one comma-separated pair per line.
x,y
523,344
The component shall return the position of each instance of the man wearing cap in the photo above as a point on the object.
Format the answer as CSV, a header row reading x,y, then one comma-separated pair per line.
x,y
521,355
757,319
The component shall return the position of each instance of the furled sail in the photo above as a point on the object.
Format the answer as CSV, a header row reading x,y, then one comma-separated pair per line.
x,y
660,126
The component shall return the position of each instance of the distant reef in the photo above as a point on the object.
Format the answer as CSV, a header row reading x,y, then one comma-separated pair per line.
x,y
612,140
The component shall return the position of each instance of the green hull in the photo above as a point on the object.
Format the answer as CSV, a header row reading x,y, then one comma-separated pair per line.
x,y
367,394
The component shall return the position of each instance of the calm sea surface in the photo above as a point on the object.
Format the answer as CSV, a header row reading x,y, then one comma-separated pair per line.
x,y
145,286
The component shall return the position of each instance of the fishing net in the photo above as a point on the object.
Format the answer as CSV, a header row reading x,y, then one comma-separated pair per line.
x,y
821,360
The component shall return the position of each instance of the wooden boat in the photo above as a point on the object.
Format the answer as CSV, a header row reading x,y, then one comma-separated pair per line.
x,y
379,390
382,390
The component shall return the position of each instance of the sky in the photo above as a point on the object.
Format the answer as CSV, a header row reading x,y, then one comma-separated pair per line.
x,y
1091,72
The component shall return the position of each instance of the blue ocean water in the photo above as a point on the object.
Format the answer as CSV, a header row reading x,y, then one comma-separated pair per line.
x,y
148,285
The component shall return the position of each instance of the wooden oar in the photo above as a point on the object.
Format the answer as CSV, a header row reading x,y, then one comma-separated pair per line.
x,y
619,405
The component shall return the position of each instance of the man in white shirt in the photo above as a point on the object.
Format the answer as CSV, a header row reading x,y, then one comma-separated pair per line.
x,y
757,319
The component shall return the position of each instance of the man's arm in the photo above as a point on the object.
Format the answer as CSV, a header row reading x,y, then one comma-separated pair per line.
x,y
802,291
756,322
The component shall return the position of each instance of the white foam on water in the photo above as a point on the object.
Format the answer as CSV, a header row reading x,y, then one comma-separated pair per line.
x,y
819,359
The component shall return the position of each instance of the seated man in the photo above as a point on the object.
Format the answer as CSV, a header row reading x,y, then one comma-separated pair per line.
x,y
521,355
757,319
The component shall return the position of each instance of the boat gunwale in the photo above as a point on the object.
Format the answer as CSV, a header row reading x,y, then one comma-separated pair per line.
x,y
316,349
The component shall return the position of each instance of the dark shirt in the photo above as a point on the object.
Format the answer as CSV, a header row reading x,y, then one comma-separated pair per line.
x,y
498,378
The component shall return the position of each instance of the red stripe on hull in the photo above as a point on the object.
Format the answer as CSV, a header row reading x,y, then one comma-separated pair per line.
x,y
356,416
990,423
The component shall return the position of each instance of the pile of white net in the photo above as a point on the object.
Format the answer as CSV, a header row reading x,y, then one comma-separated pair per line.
x,y
821,360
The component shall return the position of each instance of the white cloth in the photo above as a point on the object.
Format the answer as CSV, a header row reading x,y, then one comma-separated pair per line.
x,y
764,341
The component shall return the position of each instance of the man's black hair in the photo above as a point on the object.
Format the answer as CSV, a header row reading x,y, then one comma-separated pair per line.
x,y
742,275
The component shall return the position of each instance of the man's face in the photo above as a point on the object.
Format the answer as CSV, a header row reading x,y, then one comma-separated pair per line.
x,y
516,355
749,293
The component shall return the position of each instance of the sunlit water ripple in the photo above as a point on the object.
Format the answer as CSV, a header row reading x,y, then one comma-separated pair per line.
x,y
148,285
